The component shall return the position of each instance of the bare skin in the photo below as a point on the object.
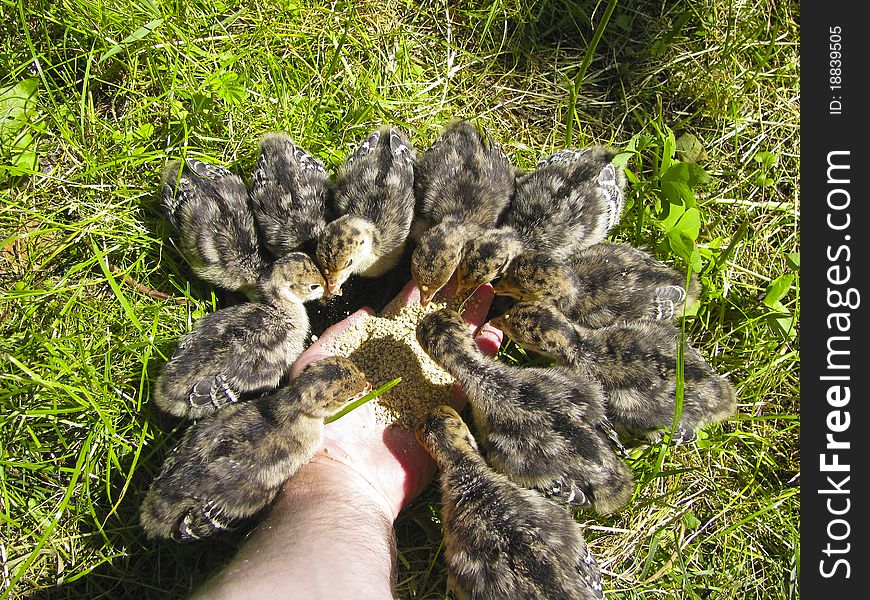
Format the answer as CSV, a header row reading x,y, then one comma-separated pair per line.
x,y
329,533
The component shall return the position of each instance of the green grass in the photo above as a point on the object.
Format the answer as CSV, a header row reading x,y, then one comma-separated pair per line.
x,y
108,91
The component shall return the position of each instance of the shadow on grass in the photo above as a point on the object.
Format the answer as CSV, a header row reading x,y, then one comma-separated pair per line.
x,y
133,566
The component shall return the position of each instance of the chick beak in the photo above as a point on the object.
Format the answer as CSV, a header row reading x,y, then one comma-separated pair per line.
x,y
425,298
500,288
465,291
366,389
333,287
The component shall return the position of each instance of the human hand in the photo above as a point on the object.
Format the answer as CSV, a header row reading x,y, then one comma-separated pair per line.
x,y
389,458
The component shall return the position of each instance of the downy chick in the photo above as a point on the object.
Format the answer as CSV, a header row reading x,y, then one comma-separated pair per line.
x,y
635,362
230,465
544,428
245,349
290,194
603,284
208,207
464,182
570,202
374,194
485,258
502,540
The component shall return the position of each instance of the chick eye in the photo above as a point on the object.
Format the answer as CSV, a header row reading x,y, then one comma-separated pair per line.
x,y
348,263
314,287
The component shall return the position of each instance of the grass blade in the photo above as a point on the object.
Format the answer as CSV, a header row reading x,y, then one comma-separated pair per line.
x,y
581,73
139,34
125,304
357,403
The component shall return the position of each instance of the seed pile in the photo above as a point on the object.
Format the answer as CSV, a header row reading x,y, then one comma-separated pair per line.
x,y
385,348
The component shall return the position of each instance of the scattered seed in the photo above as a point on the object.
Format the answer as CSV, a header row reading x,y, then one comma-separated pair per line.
x,y
385,348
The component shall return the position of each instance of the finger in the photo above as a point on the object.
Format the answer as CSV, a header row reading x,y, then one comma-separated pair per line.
x,y
324,346
489,339
410,294
477,307
446,293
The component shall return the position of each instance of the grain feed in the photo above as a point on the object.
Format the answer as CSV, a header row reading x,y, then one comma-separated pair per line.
x,y
385,348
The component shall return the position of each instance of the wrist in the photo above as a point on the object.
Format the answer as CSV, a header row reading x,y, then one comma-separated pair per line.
x,y
328,477
328,534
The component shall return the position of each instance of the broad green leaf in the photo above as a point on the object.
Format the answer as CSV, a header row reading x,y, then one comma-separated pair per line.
x,y
682,227
690,223
678,192
681,245
690,148
777,290
639,142
762,180
675,211
622,21
17,106
785,325
703,440
131,39
668,150
794,260
17,115
691,521
23,160
677,173
766,159
691,175
695,261
621,159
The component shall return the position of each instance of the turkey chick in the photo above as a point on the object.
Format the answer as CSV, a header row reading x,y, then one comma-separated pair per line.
x,y
544,428
374,194
502,540
208,207
289,194
603,284
571,201
230,465
245,349
636,364
485,258
464,182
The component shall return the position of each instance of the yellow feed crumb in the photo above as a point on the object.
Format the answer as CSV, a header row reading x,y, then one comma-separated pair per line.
x,y
385,348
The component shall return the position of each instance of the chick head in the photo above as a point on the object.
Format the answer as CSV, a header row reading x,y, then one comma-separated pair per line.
x,y
443,333
535,277
485,258
348,245
539,327
330,383
445,436
292,278
435,259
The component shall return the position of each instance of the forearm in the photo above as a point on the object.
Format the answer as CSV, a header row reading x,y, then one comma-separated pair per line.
x,y
329,534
